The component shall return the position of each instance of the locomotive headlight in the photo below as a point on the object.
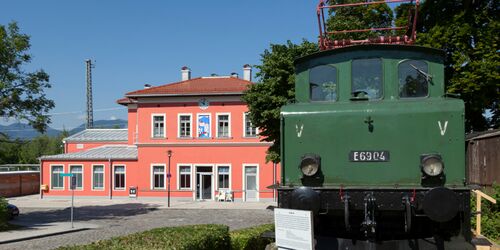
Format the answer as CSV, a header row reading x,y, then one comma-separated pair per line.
x,y
432,165
309,164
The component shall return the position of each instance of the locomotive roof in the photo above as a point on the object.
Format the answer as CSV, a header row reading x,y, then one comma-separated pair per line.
x,y
433,53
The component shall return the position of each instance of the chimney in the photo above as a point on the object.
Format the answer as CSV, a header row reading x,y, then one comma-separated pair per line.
x,y
247,72
147,86
234,75
185,73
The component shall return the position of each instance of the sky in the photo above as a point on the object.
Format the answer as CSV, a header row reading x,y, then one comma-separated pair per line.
x,y
146,42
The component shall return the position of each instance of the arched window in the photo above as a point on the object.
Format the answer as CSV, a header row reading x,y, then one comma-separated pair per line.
x,y
367,78
323,83
413,79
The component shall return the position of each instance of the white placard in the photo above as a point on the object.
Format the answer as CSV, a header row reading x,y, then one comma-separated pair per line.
x,y
293,229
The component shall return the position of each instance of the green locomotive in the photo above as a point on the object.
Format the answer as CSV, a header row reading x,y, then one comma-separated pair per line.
x,y
373,145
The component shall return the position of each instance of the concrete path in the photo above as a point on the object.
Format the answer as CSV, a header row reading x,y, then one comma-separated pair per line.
x,y
32,201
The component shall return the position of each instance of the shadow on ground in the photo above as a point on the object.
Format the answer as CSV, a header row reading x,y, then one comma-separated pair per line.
x,y
29,219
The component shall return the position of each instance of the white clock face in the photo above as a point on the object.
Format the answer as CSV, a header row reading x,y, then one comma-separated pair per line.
x,y
203,103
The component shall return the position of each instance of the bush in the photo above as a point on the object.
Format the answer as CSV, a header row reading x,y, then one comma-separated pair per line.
x,y
249,238
4,214
197,237
490,215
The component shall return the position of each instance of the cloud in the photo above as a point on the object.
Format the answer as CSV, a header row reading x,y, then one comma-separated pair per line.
x,y
113,118
82,117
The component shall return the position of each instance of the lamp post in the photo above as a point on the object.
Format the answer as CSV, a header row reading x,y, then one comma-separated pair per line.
x,y
169,154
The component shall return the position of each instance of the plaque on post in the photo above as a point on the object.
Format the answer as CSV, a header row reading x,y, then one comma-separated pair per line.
x,y
294,229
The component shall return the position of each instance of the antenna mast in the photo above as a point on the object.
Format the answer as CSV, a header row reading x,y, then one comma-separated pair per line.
x,y
90,110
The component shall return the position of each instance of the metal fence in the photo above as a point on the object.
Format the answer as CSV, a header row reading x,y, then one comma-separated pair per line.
x,y
19,167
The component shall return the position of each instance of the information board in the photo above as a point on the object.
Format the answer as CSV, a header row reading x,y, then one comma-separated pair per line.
x,y
294,229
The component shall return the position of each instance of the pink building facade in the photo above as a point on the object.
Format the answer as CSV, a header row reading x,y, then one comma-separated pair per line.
x,y
192,139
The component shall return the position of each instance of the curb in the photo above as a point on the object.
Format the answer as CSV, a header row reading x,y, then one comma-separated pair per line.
x,y
43,235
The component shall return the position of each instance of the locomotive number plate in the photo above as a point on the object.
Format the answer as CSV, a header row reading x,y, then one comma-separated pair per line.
x,y
369,156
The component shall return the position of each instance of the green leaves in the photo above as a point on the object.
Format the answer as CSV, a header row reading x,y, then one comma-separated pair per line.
x,y
469,33
21,93
276,87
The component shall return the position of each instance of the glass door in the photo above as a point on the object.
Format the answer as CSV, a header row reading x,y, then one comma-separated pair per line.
x,y
251,183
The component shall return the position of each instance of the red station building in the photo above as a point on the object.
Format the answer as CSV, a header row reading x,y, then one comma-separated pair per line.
x,y
195,131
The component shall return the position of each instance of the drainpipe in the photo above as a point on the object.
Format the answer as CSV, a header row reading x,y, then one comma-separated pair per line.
x,y
41,177
274,181
110,179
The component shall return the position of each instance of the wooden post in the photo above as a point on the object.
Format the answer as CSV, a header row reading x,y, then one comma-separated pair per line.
x,y
480,195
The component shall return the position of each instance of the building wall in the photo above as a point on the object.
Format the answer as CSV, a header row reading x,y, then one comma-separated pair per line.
x,y
483,161
17,183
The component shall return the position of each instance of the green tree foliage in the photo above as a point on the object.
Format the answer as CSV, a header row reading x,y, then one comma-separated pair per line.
x,y
17,151
276,87
469,33
21,93
359,17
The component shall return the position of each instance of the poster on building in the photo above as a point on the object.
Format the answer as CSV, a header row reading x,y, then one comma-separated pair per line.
x,y
204,126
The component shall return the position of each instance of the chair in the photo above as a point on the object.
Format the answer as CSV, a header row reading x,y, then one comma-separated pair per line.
x,y
221,196
229,195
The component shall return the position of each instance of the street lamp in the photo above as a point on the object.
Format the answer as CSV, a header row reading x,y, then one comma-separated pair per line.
x,y
169,154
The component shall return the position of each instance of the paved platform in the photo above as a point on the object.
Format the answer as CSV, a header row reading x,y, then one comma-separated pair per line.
x,y
34,201
31,230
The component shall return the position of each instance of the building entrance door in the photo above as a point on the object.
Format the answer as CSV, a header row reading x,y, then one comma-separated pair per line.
x,y
251,183
204,183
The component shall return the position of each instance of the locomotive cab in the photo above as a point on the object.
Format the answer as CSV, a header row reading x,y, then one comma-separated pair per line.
x,y
374,147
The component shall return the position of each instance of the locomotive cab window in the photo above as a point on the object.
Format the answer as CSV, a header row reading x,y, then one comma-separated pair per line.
x,y
323,83
413,79
366,79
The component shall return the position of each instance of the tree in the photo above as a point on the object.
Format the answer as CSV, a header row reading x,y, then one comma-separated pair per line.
x,y
276,87
469,33
21,93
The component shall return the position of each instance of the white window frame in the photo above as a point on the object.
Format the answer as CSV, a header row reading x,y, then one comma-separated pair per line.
x,y
103,177
228,125
50,178
245,127
179,125
83,176
197,127
153,126
152,177
179,165
243,187
124,177
230,176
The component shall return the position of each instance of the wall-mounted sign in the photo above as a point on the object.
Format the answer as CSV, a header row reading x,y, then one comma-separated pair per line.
x,y
204,126
294,229
132,192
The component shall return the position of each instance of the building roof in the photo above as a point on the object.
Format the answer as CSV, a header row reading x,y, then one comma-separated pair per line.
x,y
112,152
483,134
90,135
217,85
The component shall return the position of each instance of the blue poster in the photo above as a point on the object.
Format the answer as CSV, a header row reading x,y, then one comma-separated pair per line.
x,y
204,126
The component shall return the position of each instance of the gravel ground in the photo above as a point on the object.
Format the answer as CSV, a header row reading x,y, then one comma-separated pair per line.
x,y
122,220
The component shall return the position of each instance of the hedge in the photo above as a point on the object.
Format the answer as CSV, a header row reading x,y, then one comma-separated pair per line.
x,y
3,214
197,237
249,238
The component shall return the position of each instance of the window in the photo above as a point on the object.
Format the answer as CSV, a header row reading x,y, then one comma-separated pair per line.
x,y
184,126
413,79
223,177
158,126
77,171
367,78
119,177
204,126
323,83
158,177
223,129
250,129
185,177
57,181
98,177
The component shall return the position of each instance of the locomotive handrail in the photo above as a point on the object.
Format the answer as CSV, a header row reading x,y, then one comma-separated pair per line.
x,y
327,40
480,195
